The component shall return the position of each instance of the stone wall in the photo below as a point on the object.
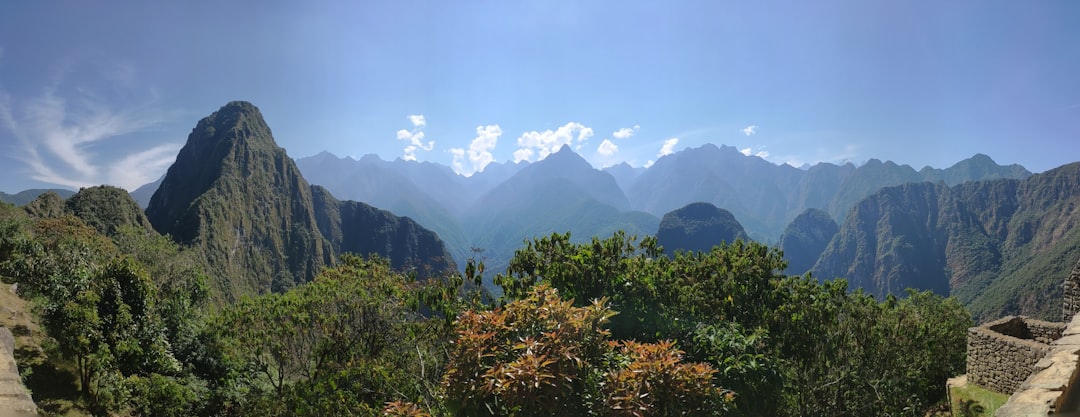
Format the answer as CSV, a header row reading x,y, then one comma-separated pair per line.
x,y
1001,354
1052,386
14,398
1071,291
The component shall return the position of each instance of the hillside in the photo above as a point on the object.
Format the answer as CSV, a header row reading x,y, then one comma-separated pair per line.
x,y
1001,246
697,227
806,238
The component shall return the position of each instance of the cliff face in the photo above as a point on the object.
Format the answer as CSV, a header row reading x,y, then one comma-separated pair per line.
x,y
239,198
805,239
1001,246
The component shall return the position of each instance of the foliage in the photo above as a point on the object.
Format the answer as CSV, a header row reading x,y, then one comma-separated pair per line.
x,y
786,345
346,343
541,356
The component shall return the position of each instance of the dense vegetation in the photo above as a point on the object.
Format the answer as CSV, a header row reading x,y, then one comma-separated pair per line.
x,y
606,327
1001,247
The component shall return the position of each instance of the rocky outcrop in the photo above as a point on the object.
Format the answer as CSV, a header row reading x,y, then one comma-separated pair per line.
x,y
15,399
698,227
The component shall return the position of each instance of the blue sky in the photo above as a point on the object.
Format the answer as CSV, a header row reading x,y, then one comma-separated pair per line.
x,y
93,93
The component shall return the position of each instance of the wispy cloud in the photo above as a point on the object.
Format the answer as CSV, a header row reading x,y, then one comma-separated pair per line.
x,y
415,137
60,139
607,148
479,152
549,141
749,130
625,132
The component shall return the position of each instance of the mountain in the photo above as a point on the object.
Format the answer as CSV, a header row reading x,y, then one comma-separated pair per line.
x,y
1000,246
46,205
236,196
624,174
557,194
805,238
107,209
143,194
697,227
765,196
431,194
24,197
751,188
354,227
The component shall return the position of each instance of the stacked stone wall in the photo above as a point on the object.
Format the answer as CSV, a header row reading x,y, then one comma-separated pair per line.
x,y
999,360
1071,292
1044,331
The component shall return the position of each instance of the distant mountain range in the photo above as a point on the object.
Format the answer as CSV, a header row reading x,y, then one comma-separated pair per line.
x,y
496,209
997,237
24,197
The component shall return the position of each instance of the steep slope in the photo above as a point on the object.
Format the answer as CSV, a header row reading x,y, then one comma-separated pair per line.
x,y
107,209
354,227
428,193
806,238
1000,246
236,196
697,227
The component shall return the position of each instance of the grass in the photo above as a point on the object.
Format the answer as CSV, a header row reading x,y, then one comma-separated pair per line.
x,y
971,400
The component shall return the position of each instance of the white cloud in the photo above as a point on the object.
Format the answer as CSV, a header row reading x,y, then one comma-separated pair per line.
x,y
415,137
762,154
746,151
607,148
522,154
625,132
417,121
749,130
668,148
649,163
60,139
549,141
479,152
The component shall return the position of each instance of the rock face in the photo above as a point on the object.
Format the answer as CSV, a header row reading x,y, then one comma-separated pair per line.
x,y
996,245
238,197
805,239
14,397
1071,294
698,227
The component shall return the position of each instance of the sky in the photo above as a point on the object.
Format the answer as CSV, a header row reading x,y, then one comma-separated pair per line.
x,y
107,92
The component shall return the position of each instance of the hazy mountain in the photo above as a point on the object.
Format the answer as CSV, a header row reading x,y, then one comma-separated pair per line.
x,y
145,192
697,227
557,194
805,239
764,197
24,197
237,196
624,174
1001,246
